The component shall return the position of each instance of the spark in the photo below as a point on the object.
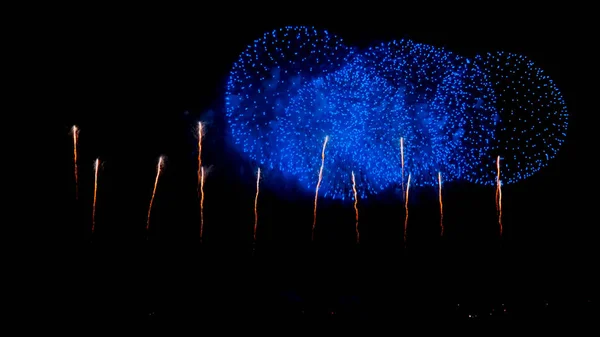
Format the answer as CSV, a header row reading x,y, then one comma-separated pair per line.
x,y
203,178
96,168
402,162
159,167
75,132
499,194
319,185
406,208
355,206
441,203
256,202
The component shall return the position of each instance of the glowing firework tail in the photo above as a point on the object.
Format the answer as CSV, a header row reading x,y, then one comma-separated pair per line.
x,y
402,162
406,208
355,206
75,132
441,203
200,176
319,185
96,168
200,136
202,179
499,194
159,168
256,202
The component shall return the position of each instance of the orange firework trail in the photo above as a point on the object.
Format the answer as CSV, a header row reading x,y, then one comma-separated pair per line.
x,y
319,185
355,207
402,162
203,178
96,168
441,204
499,194
159,167
406,208
200,136
256,202
75,132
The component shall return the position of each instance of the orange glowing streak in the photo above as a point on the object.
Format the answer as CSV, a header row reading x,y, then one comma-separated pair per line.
x,y
96,168
319,185
159,168
441,204
75,132
402,161
499,194
256,203
203,178
355,207
200,136
406,208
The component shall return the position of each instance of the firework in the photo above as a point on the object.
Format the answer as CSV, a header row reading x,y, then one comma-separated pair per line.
x,y
319,185
203,178
256,203
75,133
402,163
96,169
159,168
355,206
441,204
499,194
200,176
406,207
200,136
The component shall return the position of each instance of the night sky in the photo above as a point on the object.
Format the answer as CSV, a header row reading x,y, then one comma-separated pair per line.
x,y
138,88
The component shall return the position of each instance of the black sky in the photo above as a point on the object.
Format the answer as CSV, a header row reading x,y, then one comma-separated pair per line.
x,y
137,83
137,80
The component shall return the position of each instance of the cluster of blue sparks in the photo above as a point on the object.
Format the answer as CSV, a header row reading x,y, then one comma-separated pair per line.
x,y
453,115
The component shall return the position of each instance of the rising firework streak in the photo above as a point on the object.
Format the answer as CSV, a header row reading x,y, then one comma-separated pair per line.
x,y
499,194
159,168
203,172
355,207
406,208
201,177
96,169
441,204
256,202
402,163
319,185
75,133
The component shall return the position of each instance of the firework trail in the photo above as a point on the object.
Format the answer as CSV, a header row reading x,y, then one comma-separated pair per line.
x,y
203,178
402,162
75,132
499,194
441,204
159,167
200,136
406,208
319,185
355,206
256,202
96,168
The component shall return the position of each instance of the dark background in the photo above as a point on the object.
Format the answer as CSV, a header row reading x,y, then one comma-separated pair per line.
x,y
137,85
